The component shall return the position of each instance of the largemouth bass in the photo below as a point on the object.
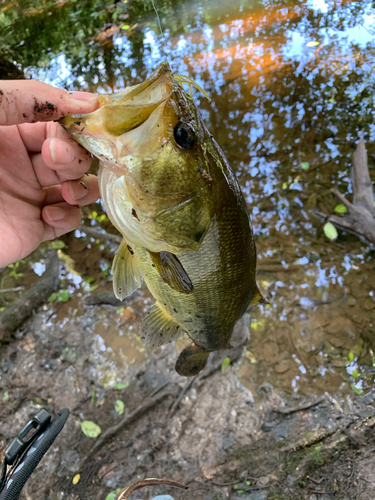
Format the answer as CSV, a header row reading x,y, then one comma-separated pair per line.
x,y
169,190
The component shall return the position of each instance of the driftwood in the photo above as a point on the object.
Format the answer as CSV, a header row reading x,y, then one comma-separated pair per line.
x,y
13,317
360,219
100,234
108,298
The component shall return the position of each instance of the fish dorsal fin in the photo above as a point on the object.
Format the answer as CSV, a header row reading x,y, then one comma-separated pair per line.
x,y
191,361
257,299
126,275
172,271
158,328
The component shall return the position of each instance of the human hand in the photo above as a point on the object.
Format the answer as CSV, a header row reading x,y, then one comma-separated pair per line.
x,y
41,168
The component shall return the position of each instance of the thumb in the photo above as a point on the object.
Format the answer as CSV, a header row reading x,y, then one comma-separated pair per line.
x,y
31,101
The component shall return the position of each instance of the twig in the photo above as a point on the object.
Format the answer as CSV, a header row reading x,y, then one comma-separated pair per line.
x,y
316,481
16,289
186,387
230,483
294,409
159,388
315,439
333,402
146,406
100,234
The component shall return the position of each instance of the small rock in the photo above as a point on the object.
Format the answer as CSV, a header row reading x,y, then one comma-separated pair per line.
x,y
254,495
6,366
368,399
369,304
70,459
163,497
351,302
282,367
227,443
263,481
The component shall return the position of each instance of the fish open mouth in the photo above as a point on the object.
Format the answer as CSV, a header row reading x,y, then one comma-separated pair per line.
x,y
120,113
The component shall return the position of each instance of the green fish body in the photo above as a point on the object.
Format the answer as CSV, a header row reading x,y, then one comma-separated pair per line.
x,y
169,190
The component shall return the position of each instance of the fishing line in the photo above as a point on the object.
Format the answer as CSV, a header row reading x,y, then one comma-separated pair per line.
x,y
162,34
180,78
158,18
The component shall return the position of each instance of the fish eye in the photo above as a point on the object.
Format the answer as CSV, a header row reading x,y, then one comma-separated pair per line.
x,y
184,135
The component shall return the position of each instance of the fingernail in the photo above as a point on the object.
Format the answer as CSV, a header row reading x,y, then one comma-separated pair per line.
x,y
61,152
55,213
77,190
82,96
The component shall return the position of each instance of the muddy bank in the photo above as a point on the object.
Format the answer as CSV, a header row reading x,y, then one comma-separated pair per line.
x,y
213,434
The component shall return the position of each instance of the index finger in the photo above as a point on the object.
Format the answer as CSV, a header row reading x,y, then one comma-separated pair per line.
x,y
29,101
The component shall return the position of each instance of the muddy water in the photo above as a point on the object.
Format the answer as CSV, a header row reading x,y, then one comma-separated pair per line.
x,y
292,90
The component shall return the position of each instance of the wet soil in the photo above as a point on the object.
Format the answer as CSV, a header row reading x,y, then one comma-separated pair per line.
x,y
237,433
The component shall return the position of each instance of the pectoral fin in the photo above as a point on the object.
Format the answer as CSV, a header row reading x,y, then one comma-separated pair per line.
x,y
257,299
191,361
126,275
158,328
171,271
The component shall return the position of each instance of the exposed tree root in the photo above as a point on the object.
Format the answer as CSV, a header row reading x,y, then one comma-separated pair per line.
x,y
360,219
13,317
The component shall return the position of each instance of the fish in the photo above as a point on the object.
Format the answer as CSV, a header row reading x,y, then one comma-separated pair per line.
x,y
169,190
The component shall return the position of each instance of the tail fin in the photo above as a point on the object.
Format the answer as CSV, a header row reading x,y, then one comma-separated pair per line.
x,y
191,361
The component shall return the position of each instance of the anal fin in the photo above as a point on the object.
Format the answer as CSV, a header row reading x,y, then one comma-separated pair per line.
x,y
126,275
158,328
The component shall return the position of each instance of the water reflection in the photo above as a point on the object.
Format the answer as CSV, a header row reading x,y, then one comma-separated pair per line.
x,y
292,87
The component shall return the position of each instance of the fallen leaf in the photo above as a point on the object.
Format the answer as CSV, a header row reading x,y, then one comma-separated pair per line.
x,y
225,364
330,231
113,494
119,407
355,389
63,296
90,429
121,385
340,209
76,478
